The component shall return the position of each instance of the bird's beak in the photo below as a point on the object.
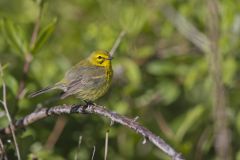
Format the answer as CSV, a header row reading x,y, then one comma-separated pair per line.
x,y
110,58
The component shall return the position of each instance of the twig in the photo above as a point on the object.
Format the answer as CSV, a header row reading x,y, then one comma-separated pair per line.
x,y
201,141
28,56
4,103
2,151
187,29
79,144
93,153
36,28
164,127
56,132
106,146
117,42
97,110
222,133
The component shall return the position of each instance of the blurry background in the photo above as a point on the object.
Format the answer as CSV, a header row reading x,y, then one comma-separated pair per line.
x,y
161,74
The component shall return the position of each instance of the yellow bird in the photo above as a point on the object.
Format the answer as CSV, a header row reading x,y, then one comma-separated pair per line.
x,y
88,80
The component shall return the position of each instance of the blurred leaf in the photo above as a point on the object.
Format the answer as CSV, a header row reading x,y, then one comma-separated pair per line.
x,y
169,91
144,52
40,2
159,68
195,74
3,119
28,132
149,96
127,149
44,35
132,18
4,66
11,82
42,154
121,107
238,122
191,117
168,30
14,35
238,155
191,78
229,70
83,153
133,74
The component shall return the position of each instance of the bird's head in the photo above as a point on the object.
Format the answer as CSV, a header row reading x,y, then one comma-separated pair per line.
x,y
100,58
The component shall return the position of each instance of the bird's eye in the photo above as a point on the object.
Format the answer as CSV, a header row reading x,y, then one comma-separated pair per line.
x,y
99,57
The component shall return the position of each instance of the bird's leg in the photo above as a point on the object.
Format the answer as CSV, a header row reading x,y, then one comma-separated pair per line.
x,y
87,103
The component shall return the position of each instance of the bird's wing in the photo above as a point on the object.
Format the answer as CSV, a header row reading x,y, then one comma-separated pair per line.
x,y
83,77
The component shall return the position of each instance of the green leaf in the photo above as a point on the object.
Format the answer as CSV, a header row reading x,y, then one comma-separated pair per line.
x,y
195,74
40,2
133,75
190,119
29,132
133,18
238,155
169,91
11,83
121,107
9,80
229,70
3,119
4,66
238,122
44,35
14,36
38,151
159,68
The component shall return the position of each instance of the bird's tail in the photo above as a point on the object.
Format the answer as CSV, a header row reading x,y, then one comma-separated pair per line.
x,y
44,90
47,89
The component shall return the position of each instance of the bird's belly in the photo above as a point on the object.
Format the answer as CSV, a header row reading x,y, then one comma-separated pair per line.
x,y
92,94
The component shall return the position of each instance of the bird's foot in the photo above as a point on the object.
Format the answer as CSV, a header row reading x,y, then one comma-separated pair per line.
x,y
87,104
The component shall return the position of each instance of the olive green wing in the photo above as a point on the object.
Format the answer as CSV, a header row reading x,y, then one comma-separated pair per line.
x,y
82,78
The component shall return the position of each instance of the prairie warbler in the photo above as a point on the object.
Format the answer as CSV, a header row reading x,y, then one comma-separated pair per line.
x,y
88,80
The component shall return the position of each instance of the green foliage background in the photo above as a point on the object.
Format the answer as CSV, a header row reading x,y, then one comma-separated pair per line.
x,y
158,75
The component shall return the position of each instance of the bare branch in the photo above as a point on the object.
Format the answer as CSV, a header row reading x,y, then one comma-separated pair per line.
x,y
56,133
36,28
2,151
28,56
79,144
93,153
106,145
187,29
97,110
117,42
222,132
4,103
